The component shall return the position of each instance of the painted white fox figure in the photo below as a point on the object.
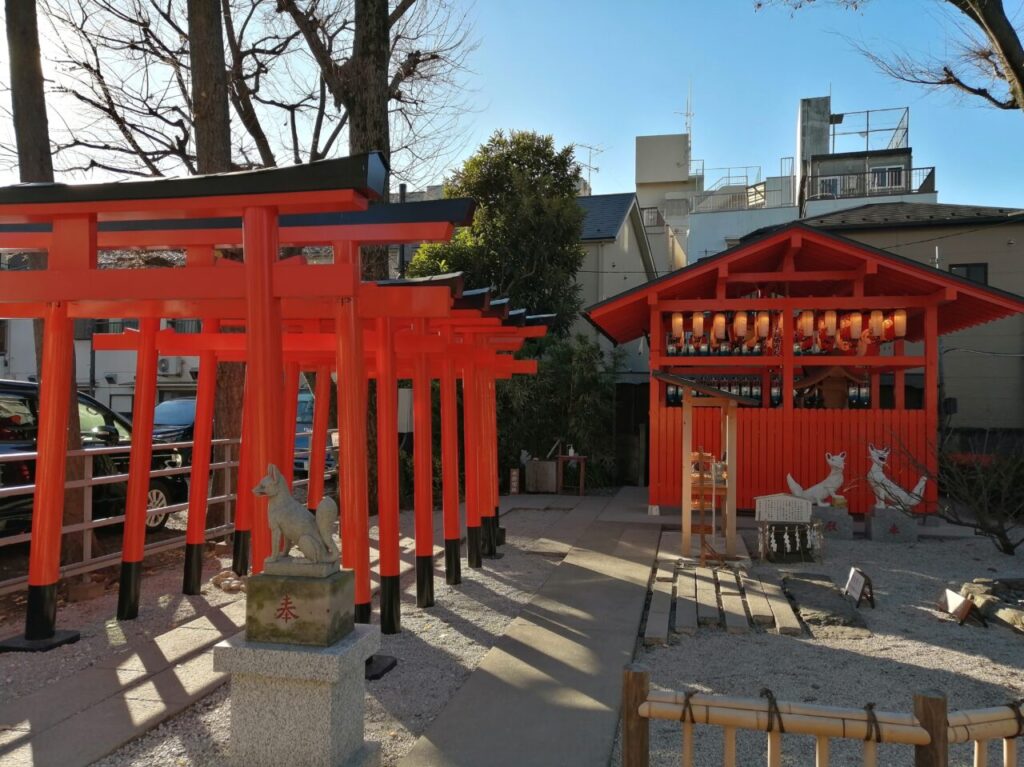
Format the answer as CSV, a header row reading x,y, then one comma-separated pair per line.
x,y
289,518
822,493
888,493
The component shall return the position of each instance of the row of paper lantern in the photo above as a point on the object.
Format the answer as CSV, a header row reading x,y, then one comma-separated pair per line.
x,y
807,321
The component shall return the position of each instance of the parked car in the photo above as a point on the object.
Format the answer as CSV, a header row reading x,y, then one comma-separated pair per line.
x,y
304,423
101,427
174,420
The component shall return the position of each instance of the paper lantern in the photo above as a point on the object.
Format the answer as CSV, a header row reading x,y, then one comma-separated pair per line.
x,y
739,325
719,325
875,323
698,324
677,324
856,325
807,323
762,324
830,322
899,322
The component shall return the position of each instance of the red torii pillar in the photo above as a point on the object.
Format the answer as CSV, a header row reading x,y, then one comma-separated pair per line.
x,y
450,471
138,472
387,480
352,459
471,421
318,439
423,476
199,485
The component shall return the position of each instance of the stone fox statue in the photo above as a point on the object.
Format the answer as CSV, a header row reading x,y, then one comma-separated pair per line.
x,y
821,493
886,491
291,519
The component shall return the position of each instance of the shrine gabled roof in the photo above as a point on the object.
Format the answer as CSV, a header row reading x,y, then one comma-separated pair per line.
x,y
364,173
626,316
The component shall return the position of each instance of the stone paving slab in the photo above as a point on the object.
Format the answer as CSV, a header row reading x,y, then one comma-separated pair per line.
x,y
84,717
549,691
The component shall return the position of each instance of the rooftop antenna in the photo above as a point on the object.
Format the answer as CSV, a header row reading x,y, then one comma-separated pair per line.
x,y
688,114
592,152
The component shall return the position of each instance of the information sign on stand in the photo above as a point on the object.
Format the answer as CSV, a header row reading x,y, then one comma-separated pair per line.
x,y
859,587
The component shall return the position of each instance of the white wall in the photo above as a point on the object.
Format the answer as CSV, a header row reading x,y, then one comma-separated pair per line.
x,y
823,207
709,231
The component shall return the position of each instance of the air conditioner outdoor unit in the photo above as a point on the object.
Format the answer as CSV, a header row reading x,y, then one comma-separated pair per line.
x,y
169,366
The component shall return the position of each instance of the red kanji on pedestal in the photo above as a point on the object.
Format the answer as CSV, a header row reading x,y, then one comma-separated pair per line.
x,y
894,530
831,526
286,610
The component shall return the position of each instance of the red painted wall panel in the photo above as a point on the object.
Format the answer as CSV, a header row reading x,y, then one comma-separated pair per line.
x,y
761,469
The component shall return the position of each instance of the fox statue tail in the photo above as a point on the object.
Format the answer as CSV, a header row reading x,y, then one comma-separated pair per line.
x,y
326,516
794,487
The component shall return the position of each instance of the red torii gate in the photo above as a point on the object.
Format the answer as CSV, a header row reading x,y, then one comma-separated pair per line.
x,y
440,349
261,210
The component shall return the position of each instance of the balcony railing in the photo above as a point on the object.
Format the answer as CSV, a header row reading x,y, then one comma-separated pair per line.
x,y
877,182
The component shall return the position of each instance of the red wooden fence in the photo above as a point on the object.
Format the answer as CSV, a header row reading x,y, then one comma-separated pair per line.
x,y
760,460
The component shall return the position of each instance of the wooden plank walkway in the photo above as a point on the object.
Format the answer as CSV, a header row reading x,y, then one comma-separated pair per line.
x,y
656,630
786,621
686,602
757,602
728,598
732,603
707,598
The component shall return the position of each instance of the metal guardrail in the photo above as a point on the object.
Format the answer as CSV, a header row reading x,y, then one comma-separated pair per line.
x,y
872,183
88,524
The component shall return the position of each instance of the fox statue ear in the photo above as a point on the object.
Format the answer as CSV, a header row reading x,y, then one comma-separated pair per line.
x,y
871,447
828,456
842,455
273,472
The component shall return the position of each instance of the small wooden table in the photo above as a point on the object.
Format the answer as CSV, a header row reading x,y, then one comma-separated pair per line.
x,y
560,471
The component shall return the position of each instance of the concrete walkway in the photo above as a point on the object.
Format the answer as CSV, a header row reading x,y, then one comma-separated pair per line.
x,y
548,692
87,715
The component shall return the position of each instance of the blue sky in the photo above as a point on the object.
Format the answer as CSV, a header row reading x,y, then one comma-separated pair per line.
x,y
600,72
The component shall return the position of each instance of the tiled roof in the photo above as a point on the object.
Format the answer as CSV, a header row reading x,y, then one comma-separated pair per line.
x,y
605,214
888,214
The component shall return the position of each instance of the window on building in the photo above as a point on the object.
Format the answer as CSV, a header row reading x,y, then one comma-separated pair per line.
x,y
887,177
828,186
972,272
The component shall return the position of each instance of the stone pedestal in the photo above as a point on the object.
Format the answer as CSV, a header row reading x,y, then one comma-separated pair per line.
x,y
836,523
890,526
296,603
297,705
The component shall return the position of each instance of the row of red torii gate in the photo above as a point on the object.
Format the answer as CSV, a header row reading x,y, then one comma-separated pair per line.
x,y
282,317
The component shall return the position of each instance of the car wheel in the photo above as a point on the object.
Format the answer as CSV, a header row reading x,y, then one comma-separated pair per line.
x,y
159,497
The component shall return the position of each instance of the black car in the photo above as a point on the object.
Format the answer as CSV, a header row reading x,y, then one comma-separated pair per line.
x,y
174,420
101,427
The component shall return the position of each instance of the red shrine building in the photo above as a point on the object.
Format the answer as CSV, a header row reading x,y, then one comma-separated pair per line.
x,y
816,335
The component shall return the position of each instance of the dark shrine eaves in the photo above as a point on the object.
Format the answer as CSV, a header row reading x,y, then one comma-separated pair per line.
x,y
364,173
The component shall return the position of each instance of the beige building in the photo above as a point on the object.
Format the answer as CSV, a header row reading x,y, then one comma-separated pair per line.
x,y
618,257
982,368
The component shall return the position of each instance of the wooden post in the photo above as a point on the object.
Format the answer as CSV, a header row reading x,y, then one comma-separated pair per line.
x,y
732,425
931,401
687,479
786,334
930,710
635,728
899,378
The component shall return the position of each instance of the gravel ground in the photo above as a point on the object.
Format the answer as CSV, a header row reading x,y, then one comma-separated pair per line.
x,y
161,608
912,648
436,651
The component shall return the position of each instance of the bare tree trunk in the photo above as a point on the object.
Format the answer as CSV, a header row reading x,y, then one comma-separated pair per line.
x,y
367,105
210,115
35,163
212,123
